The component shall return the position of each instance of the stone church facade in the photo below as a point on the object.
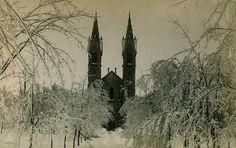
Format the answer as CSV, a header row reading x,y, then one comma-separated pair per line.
x,y
116,86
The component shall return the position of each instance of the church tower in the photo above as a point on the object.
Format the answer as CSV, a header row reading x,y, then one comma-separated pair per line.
x,y
129,52
95,51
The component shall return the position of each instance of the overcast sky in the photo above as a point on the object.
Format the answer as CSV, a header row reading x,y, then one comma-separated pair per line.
x,y
156,35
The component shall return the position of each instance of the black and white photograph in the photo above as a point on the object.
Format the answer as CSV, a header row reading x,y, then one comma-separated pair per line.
x,y
117,73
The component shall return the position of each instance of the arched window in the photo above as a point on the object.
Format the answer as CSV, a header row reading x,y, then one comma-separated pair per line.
x,y
94,58
129,58
111,93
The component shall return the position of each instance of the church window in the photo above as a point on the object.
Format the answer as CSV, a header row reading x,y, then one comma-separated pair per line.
x,y
129,58
111,93
94,58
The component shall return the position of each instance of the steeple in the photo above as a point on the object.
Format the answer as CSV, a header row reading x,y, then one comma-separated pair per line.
x,y
129,42
129,32
129,59
95,50
95,32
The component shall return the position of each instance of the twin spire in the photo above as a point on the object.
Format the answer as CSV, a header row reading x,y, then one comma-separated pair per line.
x,y
95,32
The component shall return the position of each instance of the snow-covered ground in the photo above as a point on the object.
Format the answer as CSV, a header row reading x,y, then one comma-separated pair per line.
x,y
105,140
110,140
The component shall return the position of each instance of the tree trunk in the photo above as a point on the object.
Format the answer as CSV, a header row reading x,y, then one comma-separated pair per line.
x,y
31,137
65,141
229,143
186,143
1,127
215,143
198,145
197,142
169,137
51,139
213,135
78,138
32,123
208,143
74,139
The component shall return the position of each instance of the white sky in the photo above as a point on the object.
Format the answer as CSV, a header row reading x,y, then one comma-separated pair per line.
x,y
156,35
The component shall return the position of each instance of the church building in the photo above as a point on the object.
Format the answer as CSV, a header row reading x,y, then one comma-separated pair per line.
x,y
116,86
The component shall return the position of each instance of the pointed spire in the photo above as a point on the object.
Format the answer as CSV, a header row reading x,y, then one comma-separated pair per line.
x,y
129,32
95,33
96,14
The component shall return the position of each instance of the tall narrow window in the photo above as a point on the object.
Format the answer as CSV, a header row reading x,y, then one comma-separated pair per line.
x,y
129,58
111,93
94,58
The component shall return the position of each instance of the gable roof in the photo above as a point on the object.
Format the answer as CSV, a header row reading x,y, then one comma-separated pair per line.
x,y
111,74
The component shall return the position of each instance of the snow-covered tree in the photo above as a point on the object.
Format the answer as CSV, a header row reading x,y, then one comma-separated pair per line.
x,y
87,110
25,30
191,97
57,110
9,115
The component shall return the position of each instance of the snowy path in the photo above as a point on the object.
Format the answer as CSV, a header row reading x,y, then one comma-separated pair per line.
x,y
105,140
109,140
